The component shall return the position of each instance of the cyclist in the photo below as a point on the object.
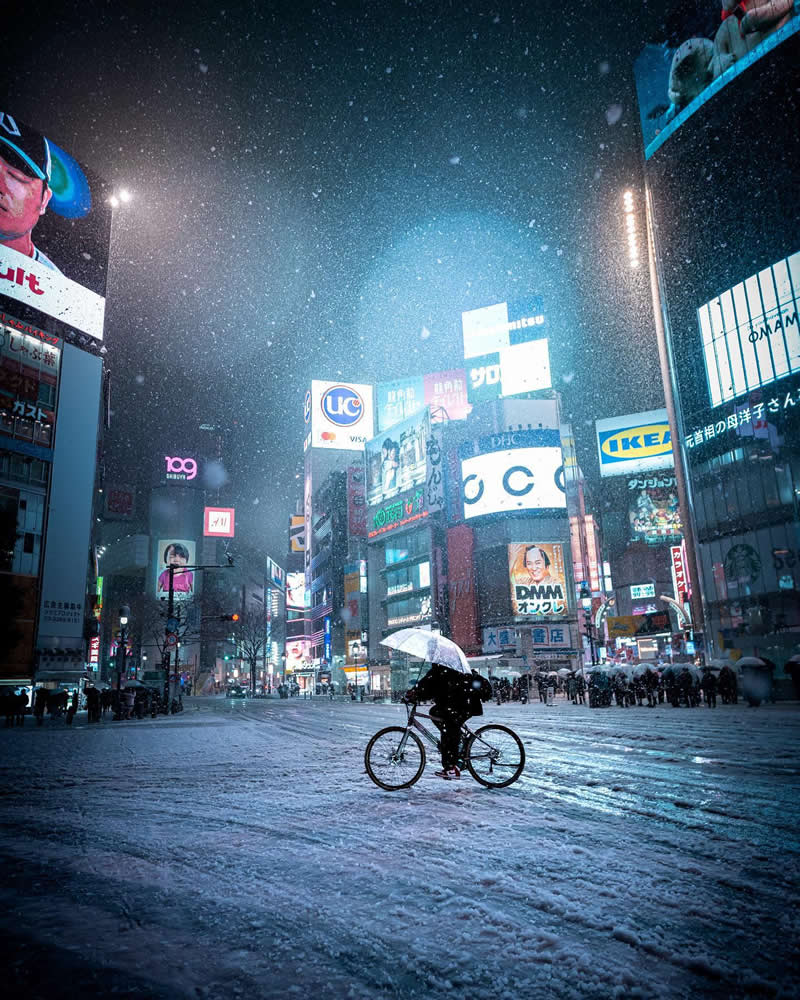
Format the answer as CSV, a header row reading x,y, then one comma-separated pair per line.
x,y
457,696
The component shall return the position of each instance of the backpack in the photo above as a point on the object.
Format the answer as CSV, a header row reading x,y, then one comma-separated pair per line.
x,y
481,686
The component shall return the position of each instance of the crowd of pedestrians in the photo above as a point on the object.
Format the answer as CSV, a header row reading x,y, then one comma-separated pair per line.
x,y
130,702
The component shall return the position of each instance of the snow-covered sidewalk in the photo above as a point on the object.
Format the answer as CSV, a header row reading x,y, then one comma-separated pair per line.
x,y
240,850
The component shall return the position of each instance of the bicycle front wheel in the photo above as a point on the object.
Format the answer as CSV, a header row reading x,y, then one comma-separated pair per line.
x,y
495,756
394,758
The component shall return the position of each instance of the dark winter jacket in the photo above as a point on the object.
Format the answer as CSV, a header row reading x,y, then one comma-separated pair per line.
x,y
452,691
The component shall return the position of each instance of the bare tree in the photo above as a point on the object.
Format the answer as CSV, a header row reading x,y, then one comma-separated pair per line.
x,y
251,641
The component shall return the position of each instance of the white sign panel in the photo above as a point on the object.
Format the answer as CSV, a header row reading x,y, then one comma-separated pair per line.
x,y
35,284
639,591
750,333
341,415
635,442
510,481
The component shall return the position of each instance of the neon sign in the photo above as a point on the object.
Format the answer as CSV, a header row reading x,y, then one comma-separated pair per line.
x,y
399,513
182,469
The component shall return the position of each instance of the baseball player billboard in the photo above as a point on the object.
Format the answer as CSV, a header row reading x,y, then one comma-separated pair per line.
x,y
55,229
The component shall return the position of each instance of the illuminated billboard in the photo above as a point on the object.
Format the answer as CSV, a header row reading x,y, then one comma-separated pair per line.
x,y
519,479
636,442
296,591
396,461
29,367
340,415
510,371
504,324
298,654
297,533
654,516
178,552
445,392
673,82
538,580
55,229
219,522
750,333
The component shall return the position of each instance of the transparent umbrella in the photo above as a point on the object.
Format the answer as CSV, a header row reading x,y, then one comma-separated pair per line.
x,y
430,646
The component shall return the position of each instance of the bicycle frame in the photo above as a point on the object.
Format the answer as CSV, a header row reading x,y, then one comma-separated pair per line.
x,y
413,723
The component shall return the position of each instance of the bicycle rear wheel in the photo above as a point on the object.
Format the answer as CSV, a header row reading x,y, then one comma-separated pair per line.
x,y
495,756
393,762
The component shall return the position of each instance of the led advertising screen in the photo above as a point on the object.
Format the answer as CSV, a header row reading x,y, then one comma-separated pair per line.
x,y
297,533
396,461
750,333
298,654
538,580
654,516
674,80
520,479
177,552
296,591
442,391
636,442
340,414
55,229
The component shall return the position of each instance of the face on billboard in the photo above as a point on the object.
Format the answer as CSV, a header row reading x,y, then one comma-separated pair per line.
x,y
538,579
515,480
295,591
396,462
636,442
178,553
55,227
341,415
298,654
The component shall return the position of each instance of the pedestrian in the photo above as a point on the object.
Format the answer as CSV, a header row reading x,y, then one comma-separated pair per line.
x,y
93,704
73,707
9,705
22,706
39,705
709,686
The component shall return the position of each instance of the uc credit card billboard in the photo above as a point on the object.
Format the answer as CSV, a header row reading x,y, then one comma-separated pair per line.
x,y
636,442
55,230
341,415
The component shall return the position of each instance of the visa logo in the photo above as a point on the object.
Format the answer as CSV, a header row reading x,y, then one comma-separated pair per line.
x,y
635,442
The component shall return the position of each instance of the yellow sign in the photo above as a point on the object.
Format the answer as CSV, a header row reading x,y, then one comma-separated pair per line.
x,y
621,626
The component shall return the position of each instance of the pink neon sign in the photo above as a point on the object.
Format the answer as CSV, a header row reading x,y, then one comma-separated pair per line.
x,y
180,468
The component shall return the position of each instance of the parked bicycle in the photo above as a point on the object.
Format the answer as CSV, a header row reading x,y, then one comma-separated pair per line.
x,y
395,756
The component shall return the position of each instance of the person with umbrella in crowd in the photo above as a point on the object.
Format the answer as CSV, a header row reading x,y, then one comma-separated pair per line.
x,y
728,686
709,686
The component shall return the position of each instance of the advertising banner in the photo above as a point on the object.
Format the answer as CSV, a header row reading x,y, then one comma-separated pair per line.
x,y
750,333
298,654
550,637
177,552
341,415
442,391
218,522
639,591
276,575
492,328
461,590
296,591
629,626
680,576
538,580
297,533
509,372
499,638
396,462
28,378
511,481
55,231
654,517
674,80
636,442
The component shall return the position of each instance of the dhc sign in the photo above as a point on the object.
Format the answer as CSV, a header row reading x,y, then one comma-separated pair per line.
x,y
637,442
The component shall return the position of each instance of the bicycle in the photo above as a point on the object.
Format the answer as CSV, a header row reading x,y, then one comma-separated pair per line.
x,y
395,756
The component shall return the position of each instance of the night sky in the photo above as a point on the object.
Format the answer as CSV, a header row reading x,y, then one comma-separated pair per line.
x,y
321,189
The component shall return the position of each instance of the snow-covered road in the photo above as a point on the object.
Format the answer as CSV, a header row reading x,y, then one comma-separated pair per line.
x,y
240,850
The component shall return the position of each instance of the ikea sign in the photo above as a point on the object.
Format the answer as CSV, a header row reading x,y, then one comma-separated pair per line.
x,y
636,442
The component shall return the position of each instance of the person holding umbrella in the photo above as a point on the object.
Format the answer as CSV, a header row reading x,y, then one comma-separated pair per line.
x,y
454,687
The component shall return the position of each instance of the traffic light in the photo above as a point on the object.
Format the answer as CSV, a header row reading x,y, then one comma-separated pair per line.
x,y
226,657
229,618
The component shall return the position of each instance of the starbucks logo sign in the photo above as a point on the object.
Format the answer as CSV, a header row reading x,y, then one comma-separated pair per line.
x,y
742,564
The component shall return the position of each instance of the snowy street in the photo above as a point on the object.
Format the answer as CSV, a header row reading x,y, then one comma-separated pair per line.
x,y
239,849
